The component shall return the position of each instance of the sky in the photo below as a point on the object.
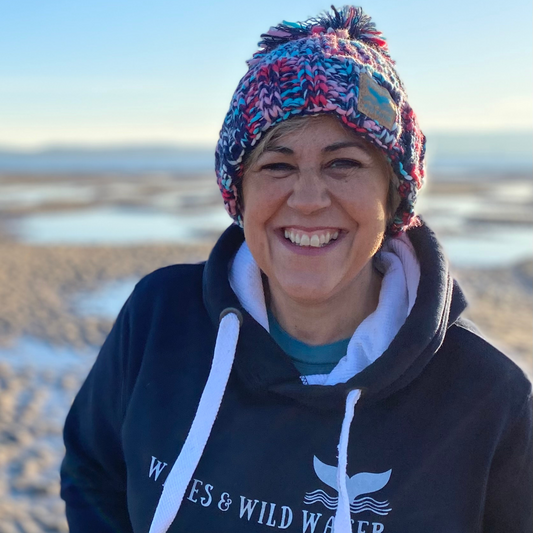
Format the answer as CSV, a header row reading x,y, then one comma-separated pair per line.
x,y
106,72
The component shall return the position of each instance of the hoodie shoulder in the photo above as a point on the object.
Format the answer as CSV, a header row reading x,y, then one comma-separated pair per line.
x,y
167,294
173,279
474,352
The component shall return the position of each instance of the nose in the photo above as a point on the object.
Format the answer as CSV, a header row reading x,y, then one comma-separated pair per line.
x,y
309,193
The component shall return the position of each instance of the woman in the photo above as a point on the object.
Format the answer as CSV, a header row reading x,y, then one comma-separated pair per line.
x,y
314,374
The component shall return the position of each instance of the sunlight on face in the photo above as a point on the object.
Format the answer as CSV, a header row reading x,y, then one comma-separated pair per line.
x,y
315,209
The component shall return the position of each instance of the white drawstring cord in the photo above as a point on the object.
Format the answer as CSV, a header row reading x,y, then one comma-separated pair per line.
x,y
343,517
189,457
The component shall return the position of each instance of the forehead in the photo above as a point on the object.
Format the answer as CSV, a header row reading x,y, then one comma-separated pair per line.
x,y
320,129
280,137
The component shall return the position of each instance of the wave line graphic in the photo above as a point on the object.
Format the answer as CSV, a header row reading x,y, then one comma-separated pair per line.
x,y
318,491
322,494
321,498
329,503
371,501
385,512
359,505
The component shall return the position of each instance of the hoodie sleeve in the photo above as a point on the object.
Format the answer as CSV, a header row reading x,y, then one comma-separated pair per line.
x,y
509,504
93,473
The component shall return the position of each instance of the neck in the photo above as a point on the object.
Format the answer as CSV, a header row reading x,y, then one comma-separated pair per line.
x,y
327,321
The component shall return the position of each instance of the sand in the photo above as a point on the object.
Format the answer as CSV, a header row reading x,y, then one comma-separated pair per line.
x,y
38,286
38,290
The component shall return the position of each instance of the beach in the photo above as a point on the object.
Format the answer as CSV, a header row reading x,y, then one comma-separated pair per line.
x,y
47,351
59,301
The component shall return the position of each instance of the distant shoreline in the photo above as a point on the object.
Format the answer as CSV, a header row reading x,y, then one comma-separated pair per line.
x,y
449,175
448,154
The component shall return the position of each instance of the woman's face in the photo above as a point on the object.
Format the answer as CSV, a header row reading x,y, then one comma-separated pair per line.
x,y
315,209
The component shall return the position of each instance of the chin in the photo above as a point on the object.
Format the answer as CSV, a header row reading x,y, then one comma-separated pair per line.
x,y
310,288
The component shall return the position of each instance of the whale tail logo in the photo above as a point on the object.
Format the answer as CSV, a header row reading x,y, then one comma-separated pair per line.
x,y
359,485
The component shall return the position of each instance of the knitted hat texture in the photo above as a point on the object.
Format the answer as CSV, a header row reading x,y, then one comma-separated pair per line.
x,y
337,64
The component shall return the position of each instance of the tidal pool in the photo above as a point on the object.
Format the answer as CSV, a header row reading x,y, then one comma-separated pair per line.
x,y
459,222
119,226
107,300
496,247
29,352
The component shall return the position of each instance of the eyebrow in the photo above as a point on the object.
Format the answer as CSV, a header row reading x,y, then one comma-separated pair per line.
x,y
328,149
279,149
345,144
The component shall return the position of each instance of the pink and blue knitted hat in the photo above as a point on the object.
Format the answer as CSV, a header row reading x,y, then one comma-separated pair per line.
x,y
338,64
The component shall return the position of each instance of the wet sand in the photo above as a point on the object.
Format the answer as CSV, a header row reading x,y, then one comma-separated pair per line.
x,y
47,346
38,286
38,289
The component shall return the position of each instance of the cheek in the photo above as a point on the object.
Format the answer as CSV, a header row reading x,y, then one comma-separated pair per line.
x,y
260,205
262,198
366,203
254,212
380,195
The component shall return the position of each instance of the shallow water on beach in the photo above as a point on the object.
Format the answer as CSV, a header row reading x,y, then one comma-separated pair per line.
x,y
37,385
28,196
464,224
105,301
120,226
484,223
486,231
40,355
496,247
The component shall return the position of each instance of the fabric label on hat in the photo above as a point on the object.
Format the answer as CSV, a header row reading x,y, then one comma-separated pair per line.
x,y
376,102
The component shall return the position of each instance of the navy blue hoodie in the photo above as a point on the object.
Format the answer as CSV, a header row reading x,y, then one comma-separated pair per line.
x,y
445,420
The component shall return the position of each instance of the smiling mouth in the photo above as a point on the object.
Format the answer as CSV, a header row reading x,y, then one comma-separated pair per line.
x,y
316,239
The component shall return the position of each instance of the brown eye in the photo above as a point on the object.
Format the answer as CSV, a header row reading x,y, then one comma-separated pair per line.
x,y
278,168
345,164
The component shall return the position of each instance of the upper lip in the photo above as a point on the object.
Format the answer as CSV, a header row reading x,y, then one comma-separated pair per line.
x,y
311,229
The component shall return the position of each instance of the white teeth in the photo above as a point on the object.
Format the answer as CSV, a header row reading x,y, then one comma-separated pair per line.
x,y
315,240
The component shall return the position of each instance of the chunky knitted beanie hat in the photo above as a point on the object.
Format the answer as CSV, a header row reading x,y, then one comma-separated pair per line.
x,y
337,64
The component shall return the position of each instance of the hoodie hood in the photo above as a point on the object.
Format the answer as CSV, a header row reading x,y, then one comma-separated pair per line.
x,y
266,369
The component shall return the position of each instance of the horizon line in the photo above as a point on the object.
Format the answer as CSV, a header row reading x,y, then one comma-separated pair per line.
x,y
202,146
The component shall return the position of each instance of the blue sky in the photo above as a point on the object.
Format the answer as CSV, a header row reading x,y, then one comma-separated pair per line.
x,y
106,72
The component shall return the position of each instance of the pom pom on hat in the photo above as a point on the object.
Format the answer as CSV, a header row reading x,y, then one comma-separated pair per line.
x,y
350,22
337,63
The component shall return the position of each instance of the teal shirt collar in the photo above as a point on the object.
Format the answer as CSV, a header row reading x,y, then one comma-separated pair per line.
x,y
308,359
